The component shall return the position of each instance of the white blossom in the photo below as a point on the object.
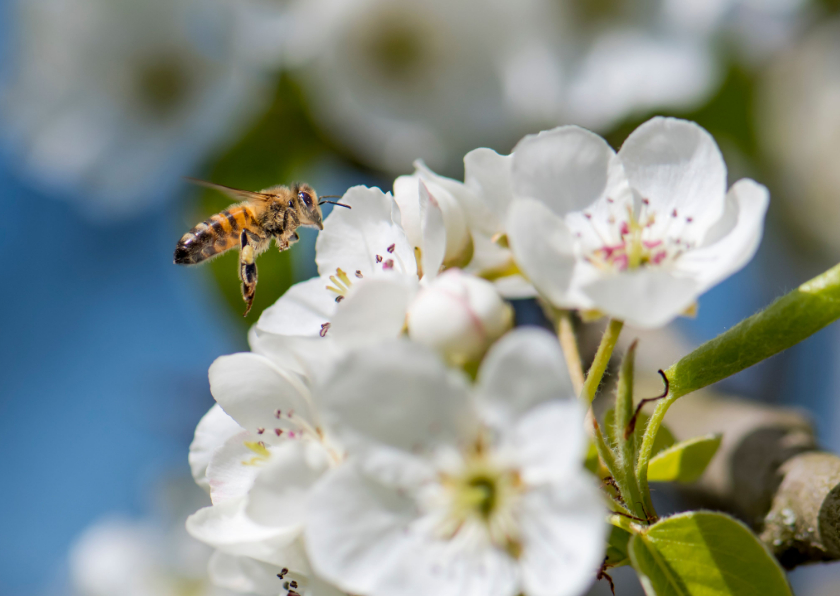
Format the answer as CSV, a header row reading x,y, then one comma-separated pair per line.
x,y
639,234
139,558
452,490
125,98
264,434
369,281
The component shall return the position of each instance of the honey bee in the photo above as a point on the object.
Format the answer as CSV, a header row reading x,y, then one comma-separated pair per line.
x,y
276,212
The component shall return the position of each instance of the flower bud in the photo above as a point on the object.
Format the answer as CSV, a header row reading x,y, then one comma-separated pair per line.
x,y
459,315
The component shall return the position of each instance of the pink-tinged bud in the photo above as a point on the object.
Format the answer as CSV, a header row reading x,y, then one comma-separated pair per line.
x,y
459,315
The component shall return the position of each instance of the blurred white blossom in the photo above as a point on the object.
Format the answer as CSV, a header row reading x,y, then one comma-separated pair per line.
x,y
798,122
111,101
639,234
452,490
140,558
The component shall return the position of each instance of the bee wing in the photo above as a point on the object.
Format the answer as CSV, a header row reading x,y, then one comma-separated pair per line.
x,y
235,193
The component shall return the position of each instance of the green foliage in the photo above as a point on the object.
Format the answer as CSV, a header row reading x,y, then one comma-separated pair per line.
x,y
617,545
702,553
786,322
685,461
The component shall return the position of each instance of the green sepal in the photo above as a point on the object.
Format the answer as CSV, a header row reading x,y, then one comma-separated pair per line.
x,y
684,462
664,438
617,547
703,553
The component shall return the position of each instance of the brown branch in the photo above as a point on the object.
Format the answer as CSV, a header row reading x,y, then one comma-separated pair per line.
x,y
769,472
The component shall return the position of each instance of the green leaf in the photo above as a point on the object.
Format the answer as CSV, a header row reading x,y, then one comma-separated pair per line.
x,y
786,322
702,553
685,461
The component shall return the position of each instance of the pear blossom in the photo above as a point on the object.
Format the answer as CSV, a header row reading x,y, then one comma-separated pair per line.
x,y
378,279
263,433
139,558
638,235
125,98
454,490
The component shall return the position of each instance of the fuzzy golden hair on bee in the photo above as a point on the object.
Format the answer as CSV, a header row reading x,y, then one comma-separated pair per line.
x,y
250,225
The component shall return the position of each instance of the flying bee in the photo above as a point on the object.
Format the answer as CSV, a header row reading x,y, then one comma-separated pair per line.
x,y
275,212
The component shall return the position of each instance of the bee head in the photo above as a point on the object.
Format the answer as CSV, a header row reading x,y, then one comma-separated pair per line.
x,y
308,206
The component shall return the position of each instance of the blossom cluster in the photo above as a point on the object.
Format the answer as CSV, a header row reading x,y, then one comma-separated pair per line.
x,y
390,433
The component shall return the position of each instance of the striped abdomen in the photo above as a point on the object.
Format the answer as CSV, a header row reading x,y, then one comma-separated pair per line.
x,y
215,235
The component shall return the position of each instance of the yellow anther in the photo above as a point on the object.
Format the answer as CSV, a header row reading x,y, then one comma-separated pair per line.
x,y
260,449
343,277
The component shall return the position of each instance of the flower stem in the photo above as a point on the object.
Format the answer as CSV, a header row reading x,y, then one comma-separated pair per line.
x,y
602,359
568,341
646,449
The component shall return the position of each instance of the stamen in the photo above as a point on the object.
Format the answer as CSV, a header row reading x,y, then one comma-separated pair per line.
x,y
359,274
389,264
323,333
391,248
378,259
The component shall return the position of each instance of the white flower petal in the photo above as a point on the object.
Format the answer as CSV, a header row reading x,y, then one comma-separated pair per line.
x,y
434,247
490,177
244,574
676,164
549,441
568,169
301,310
280,492
544,249
522,370
397,394
214,428
645,297
459,316
356,532
563,533
732,242
451,197
226,527
352,238
233,468
251,389
374,310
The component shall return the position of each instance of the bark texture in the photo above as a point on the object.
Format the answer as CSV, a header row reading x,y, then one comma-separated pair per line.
x,y
769,472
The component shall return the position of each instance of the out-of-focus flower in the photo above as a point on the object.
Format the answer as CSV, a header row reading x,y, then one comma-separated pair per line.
x,y
125,97
397,79
799,127
459,316
140,558
637,235
453,491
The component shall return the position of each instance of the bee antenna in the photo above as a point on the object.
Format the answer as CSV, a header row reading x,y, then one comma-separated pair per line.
x,y
335,203
330,196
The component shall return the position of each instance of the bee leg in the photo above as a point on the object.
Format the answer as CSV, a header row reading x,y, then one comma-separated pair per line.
x,y
289,235
247,269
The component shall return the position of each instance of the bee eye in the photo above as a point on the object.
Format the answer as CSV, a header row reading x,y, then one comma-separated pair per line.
x,y
304,196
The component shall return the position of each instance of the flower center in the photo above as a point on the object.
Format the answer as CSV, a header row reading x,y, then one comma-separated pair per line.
x,y
637,246
341,284
483,495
